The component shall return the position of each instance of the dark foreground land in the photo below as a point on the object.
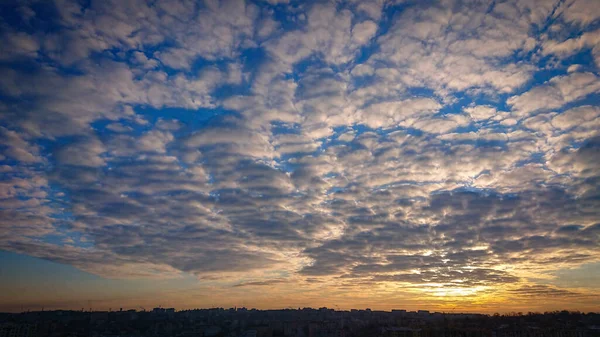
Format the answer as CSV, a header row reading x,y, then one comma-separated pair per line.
x,y
306,322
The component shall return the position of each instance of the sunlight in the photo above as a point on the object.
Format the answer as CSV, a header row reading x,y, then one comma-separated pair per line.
x,y
443,291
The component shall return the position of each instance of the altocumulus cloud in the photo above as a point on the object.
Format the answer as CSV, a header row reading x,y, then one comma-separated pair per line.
x,y
421,144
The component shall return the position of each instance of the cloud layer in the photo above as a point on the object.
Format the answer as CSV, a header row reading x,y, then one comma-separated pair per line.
x,y
425,146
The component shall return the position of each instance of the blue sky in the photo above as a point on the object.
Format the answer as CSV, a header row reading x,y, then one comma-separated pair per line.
x,y
432,153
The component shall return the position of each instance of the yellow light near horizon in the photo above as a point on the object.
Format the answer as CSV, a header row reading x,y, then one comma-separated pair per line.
x,y
441,290
454,292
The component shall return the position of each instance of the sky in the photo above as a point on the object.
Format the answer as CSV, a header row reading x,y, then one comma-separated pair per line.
x,y
440,155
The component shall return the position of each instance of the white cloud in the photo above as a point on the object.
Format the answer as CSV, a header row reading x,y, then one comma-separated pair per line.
x,y
583,116
441,125
18,148
571,46
329,33
233,140
555,93
387,114
428,44
154,141
86,152
362,32
481,112
18,45
582,12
